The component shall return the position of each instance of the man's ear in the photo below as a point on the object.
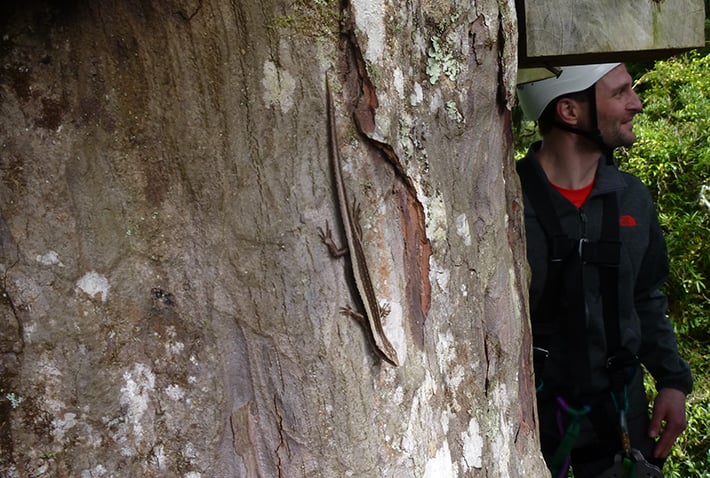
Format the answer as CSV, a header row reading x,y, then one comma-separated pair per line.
x,y
569,111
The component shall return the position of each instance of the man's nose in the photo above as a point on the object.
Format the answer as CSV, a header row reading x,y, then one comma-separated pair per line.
x,y
635,104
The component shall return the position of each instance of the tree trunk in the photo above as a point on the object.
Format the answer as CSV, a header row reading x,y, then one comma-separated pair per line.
x,y
168,308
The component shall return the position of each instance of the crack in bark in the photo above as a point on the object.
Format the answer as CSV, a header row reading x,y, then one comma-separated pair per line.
x,y
361,100
365,103
478,24
189,16
281,436
486,379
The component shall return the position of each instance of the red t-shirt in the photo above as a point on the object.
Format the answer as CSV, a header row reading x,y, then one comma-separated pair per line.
x,y
575,196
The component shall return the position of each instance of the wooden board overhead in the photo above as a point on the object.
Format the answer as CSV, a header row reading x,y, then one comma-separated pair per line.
x,y
559,32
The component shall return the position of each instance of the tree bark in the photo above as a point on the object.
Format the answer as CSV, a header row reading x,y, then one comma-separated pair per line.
x,y
168,308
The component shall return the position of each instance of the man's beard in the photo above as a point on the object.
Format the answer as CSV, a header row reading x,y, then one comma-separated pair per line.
x,y
619,138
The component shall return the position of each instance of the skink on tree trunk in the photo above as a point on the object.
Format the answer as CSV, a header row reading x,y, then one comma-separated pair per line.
x,y
353,234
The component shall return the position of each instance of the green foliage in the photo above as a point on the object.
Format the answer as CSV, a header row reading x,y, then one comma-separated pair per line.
x,y
672,156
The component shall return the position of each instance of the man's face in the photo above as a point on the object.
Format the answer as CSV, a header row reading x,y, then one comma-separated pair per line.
x,y
617,104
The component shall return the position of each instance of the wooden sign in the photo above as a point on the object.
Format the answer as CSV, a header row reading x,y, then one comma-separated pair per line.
x,y
559,32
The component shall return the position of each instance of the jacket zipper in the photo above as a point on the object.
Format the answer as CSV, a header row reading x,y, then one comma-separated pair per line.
x,y
583,221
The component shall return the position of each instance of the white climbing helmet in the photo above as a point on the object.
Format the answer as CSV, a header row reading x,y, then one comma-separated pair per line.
x,y
534,96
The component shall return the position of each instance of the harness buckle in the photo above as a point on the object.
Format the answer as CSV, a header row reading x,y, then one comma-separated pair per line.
x,y
623,359
623,464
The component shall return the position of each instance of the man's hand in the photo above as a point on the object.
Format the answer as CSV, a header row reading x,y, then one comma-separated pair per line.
x,y
668,408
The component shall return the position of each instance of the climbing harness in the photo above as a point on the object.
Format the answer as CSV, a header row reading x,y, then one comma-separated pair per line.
x,y
567,256
564,278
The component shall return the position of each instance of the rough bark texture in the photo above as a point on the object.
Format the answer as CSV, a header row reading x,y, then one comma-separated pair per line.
x,y
168,308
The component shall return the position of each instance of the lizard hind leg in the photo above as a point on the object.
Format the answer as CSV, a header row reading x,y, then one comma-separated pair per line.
x,y
326,238
349,311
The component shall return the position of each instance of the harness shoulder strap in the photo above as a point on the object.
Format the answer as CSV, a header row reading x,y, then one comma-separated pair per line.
x,y
533,186
561,310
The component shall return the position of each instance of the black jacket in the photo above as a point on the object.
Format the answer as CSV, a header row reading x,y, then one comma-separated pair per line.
x,y
645,329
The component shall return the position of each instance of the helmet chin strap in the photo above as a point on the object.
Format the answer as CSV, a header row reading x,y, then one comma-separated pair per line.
x,y
595,135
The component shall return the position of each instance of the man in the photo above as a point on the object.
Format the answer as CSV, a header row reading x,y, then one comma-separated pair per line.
x,y
598,258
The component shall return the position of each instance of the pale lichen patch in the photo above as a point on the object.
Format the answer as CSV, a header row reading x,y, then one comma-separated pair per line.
x,y
50,258
442,59
139,383
94,285
453,112
370,19
462,229
500,400
172,345
417,96
441,465
436,219
398,79
60,426
393,326
419,413
95,472
472,441
445,350
175,392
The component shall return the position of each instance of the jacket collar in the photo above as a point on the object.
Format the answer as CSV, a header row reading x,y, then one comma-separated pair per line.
x,y
608,177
